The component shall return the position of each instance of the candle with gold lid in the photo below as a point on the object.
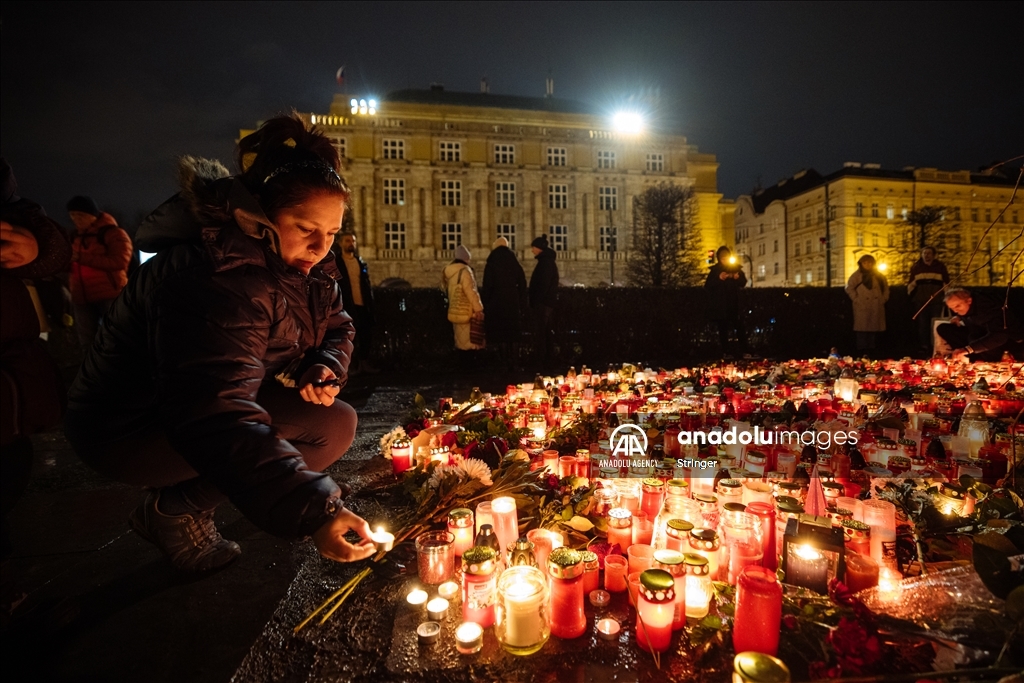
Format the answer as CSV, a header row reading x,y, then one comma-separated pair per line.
x,y
460,524
698,586
705,542
620,528
479,567
677,534
655,609
756,667
565,567
672,561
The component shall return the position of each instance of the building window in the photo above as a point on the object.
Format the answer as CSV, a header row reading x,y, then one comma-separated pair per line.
x,y
796,248
340,145
605,158
775,246
558,196
451,151
858,209
656,162
394,191
821,244
807,247
505,194
860,239
974,215
760,229
393,149
821,272
451,235
874,239
508,231
609,238
761,271
988,215
799,278
831,212
890,211
874,210
956,213
451,193
891,240
796,223
809,279
504,154
608,199
556,156
559,235
394,235
776,269
904,211
1015,218
821,216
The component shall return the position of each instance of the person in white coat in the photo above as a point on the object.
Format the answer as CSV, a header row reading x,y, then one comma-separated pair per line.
x,y
464,304
869,291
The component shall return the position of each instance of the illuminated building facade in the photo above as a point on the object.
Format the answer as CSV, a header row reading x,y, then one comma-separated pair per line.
x,y
432,169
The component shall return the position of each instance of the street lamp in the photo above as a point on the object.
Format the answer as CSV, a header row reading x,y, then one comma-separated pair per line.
x,y
628,122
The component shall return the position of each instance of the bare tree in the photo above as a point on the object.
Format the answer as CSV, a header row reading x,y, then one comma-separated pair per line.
x,y
666,238
929,226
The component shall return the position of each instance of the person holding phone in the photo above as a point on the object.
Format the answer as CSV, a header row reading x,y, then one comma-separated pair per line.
x,y
216,372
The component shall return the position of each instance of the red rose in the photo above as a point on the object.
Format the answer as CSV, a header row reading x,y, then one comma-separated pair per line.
x,y
448,439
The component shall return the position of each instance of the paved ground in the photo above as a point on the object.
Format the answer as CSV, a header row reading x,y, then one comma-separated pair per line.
x,y
93,602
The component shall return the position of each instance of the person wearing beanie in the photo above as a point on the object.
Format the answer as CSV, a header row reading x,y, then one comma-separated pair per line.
x,y
464,305
100,254
543,291
504,295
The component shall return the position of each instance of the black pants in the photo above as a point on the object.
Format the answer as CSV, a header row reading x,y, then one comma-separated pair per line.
x,y
956,337
543,335
363,341
320,433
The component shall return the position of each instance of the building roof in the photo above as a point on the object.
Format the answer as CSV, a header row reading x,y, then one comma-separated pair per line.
x,y
437,95
809,179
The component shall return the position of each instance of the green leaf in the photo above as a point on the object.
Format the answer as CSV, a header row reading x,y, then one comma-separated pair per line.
x,y
728,610
711,621
420,402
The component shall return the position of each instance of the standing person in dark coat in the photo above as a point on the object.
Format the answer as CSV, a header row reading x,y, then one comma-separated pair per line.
x,y
31,392
543,292
215,373
357,294
981,330
927,277
724,281
504,294
100,255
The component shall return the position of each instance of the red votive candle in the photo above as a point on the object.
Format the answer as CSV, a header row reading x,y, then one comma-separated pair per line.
x,y
591,572
620,528
654,495
655,610
478,585
758,611
861,572
765,514
615,570
643,528
565,567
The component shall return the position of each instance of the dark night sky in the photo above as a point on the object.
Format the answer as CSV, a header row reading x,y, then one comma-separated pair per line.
x,y
98,98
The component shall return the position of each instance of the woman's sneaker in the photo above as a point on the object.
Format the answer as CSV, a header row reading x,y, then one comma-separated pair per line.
x,y
191,542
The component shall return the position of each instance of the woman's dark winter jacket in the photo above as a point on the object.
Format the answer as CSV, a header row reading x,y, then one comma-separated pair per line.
x,y
31,392
195,333
544,280
504,295
723,295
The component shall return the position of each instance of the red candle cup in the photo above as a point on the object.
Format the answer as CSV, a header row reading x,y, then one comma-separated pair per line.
x,y
655,610
435,556
565,567
861,572
620,528
478,585
643,528
616,568
591,572
758,611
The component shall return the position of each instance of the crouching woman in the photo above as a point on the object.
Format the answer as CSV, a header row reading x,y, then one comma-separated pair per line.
x,y
214,373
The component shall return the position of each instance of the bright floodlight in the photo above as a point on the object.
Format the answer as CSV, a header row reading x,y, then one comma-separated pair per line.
x,y
883,267
628,122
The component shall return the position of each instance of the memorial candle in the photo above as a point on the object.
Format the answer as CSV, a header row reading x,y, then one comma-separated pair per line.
x,y
653,496
460,524
591,572
521,616
616,568
643,528
758,611
544,542
565,567
478,585
620,528
435,559
641,557
551,461
506,522
765,514
401,455
861,572
484,515
655,610
808,568
698,586
672,561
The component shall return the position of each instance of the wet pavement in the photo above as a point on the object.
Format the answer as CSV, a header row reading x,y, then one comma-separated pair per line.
x,y
93,602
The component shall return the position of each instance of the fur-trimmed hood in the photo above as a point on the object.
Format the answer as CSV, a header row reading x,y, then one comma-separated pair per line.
x,y
209,198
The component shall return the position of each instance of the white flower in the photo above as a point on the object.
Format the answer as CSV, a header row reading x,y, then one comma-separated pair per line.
x,y
476,469
389,438
442,471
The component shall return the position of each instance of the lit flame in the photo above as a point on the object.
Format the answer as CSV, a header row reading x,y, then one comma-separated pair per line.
x,y
806,552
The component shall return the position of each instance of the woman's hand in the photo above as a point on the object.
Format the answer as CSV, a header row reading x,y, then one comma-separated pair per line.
x,y
18,246
314,394
330,538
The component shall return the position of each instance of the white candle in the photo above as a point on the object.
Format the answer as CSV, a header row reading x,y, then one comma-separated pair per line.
x,y
469,638
384,540
506,524
417,598
523,626
608,629
437,609
448,590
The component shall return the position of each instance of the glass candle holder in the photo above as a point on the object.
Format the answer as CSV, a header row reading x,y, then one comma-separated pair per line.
x,y
653,496
565,567
620,528
757,491
655,610
522,618
604,500
483,515
698,586
401,455
758,611
460,524
861,572
567,466
880,515
708,510
643,528
591,572
672,562
506,520
544,542
765,515
705,542
469,638
435,557
479,569
616,569
634,587
677,534
641,557
551,461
